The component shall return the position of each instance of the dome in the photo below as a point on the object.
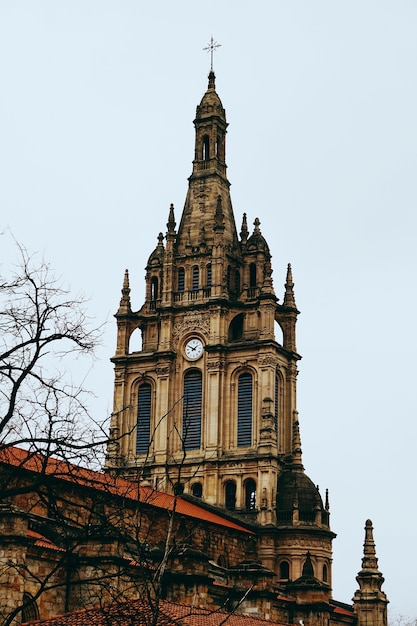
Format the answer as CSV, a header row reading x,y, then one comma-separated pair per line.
x,y
210,103
296,490
157,255
257,241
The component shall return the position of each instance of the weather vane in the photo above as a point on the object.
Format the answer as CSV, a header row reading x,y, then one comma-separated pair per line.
x,y
211,47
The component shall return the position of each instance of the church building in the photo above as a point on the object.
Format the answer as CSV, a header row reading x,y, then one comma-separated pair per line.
x,y
204,512
208,407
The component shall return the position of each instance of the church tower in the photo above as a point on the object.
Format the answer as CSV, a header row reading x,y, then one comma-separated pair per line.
x,y
207,407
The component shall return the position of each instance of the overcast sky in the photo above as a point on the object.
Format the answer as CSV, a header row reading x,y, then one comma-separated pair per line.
x,y
96,140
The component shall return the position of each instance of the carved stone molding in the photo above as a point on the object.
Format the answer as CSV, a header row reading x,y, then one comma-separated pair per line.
x,y
193,320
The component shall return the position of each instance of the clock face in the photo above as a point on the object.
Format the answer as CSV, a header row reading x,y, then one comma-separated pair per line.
x,y
193,349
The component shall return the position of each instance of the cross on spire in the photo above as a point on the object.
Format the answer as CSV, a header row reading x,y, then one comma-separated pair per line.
x,y
211,47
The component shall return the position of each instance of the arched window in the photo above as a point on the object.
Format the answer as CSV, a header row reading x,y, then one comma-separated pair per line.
x,y
230,495
244,410
229,278
209,275
250,494
181,278
252,275
192,407
284,570
30,612
236,328
178,489
325,573
276,402
197,490
206,148
154,289
196,278
143,429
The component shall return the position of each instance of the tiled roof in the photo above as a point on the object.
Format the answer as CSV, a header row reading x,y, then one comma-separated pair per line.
x,y
69,472
42,542
138,613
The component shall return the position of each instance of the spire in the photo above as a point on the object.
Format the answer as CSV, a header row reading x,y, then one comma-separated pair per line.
x,y
289,300
308,571
296,443
171,220
370,602
124,307
244,230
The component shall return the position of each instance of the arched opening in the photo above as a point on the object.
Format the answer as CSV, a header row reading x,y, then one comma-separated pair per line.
x,y
206,148
236,286
236,328
154,289
135,340
279,337
30,611
197,490
250,494
284,570
143,424
181,278
208,275
230,495
325,573
192,408
244,410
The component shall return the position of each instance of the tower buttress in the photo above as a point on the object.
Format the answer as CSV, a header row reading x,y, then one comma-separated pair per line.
x,y
370,602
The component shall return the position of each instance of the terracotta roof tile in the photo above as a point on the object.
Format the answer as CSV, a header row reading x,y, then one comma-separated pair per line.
x,y
62,470
43,542
138,613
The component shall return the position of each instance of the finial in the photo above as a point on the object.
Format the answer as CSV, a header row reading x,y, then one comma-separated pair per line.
x,y
244,231
370,582
171,219
257,223
369,560
160,240
289,299
211,47
327,505
296,441
124,306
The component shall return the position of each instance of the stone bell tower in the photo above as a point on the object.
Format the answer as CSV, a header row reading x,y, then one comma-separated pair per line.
x,y
207,407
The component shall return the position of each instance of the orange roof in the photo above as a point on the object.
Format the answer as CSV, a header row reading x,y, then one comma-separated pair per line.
x,y
139,613
43,542
63,470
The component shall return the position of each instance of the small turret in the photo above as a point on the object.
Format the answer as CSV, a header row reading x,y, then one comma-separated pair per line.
x,y
369,601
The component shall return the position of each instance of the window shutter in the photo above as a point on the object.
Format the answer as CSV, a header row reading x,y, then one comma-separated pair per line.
x,y
244,410
192,406
143,432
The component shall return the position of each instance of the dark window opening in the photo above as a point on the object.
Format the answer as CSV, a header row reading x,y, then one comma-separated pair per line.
x,y
325,573
209,275
250,494
206,148
192,408
181,279
237,283
196,278
284,570
252,275
154,289
197,490
230,495
143,429
244,410
236,328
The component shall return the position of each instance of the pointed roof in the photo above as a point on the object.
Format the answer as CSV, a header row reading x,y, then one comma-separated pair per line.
x,y
125,306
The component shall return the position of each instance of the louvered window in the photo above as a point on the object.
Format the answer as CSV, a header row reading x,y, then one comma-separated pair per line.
x,y
191,414
244,410
181,276
143,433
196,278
276,400
209,275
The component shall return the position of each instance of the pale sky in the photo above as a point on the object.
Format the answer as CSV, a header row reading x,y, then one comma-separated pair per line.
x,y
96,140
